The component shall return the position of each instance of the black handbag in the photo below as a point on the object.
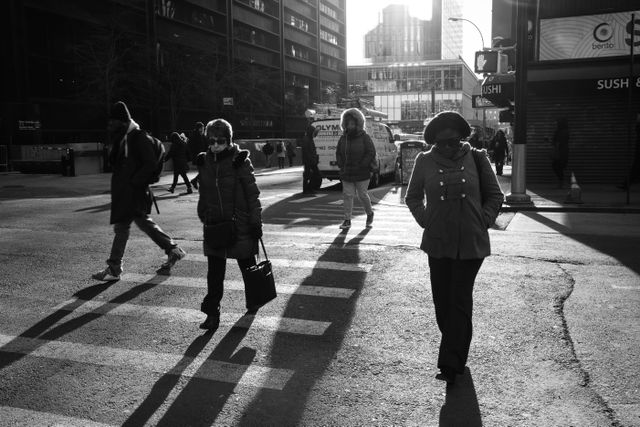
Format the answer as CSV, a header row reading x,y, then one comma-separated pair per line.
x,y
259,283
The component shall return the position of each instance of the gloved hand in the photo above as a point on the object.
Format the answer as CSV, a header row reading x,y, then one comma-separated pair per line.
x,y
256,231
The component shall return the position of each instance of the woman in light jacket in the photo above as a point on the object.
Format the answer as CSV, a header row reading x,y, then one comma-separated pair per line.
x,y
355,154
227,187
455,202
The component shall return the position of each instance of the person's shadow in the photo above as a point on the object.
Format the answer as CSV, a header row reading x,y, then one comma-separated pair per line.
x,y
461,404
202,399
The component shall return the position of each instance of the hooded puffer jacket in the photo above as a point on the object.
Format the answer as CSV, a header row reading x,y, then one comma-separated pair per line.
x,y
218,200
355,151
458,210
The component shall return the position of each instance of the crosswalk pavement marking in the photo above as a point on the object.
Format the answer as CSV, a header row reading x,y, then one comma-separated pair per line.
x,y
163,363
323,246
17,417
270,323
308,199
329,233
324,219
294,263
238,285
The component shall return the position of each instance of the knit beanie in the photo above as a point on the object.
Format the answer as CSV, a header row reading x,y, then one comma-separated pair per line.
x,y
119,111
446,120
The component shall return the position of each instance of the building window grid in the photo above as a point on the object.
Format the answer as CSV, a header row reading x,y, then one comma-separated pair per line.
x,y
328,37
328,11
298,51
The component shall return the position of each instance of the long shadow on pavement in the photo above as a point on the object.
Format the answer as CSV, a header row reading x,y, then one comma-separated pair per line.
x,y
621,247
41,329
308,356
461,404
201,400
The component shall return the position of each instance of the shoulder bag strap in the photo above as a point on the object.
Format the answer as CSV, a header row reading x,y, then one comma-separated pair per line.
x,y
478,162
263,249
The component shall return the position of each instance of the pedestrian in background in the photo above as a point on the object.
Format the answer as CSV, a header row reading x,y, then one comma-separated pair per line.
x,y
355,155
134,160
282,153
309,159
179,153
475,140
291,152
267,150
560,149
455,198
228,189
500,150
197,144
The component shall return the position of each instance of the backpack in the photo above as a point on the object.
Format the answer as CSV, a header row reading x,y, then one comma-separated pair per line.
x,y
160,155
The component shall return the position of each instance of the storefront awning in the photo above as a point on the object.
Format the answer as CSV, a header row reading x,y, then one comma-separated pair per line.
x,y
499,89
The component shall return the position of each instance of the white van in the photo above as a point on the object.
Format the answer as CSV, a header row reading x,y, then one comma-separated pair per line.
x,y
326,141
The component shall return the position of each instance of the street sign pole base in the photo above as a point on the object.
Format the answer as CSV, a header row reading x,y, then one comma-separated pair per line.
x,y
518,199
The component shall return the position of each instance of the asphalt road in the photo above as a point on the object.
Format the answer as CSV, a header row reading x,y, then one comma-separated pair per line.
x,y
351,339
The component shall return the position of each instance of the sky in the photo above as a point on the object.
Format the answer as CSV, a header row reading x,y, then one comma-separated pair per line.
x,y
362,16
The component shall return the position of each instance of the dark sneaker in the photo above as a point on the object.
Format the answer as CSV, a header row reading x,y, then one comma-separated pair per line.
x,y
174,256
346,224
171,189
212,322
369,219
106,275
189,190
194,182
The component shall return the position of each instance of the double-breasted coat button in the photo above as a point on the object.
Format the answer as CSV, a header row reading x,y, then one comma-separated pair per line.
x,y
440,171
464,195
464,180
441,197
441,183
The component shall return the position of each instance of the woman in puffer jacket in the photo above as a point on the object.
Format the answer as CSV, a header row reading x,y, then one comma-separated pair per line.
x,y
354,155
454,195
227,187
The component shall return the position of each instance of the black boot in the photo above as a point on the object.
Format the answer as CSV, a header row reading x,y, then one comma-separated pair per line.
x,y
212,322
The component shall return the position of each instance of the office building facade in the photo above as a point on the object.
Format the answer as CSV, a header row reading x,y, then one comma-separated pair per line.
x,y
258,63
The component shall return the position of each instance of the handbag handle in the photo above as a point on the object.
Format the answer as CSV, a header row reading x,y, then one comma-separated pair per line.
x,y
263,250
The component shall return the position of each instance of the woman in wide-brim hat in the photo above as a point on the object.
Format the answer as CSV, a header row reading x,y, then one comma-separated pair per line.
x,y
455,202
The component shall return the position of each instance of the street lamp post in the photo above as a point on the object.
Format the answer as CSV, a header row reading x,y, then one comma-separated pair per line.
x,y
484,111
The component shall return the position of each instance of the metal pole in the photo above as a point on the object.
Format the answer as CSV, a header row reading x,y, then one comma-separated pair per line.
x,y
518,169
629,106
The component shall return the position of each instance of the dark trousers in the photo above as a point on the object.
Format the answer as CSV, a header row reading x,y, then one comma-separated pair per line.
x,y
215,281
499,165
452,287
184,176
307,174
558,166
148,226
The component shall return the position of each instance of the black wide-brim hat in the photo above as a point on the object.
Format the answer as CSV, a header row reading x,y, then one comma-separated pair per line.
x,y
446,120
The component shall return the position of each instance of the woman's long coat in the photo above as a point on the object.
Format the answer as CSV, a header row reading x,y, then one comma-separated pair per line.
x,y
218,201
133,168
446,199
179,152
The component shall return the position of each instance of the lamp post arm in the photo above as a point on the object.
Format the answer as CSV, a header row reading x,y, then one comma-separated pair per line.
x,y
471,22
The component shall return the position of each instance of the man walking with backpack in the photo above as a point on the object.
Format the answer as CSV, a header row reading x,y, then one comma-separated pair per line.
x,y
135,164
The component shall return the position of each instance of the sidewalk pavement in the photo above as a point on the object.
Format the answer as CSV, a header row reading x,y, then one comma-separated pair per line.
x,y
544,197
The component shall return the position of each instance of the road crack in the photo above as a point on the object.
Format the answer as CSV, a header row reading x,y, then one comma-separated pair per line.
x,y
585,380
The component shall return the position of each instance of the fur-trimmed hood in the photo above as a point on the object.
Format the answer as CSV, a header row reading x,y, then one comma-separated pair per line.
x,y
355,114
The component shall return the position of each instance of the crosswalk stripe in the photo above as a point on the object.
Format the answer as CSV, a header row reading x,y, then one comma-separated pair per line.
x,y
355,209
308,199
25,417
329,233
270,323
163,363
322,246
323,265
329,219
238,285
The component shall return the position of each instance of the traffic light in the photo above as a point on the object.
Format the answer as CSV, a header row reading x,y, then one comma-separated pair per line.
x,y
486,62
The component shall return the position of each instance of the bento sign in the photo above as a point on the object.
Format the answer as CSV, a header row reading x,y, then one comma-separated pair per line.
x,y
590,36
